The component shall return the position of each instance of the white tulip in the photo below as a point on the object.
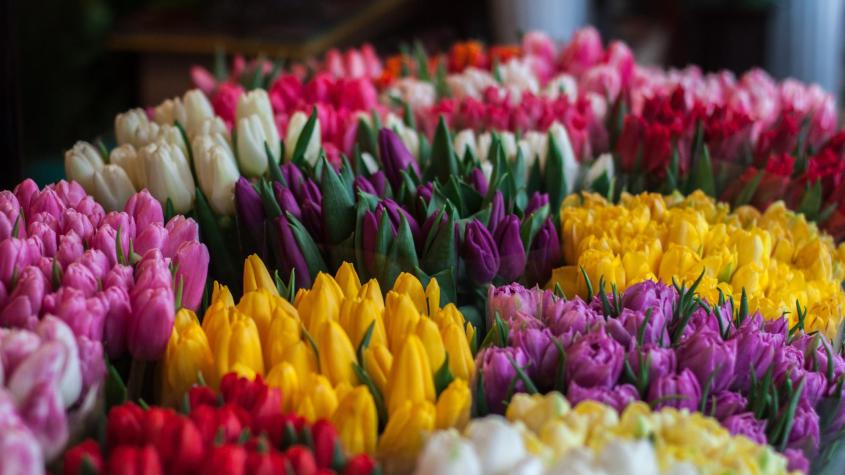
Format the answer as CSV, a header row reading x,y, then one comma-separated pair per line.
x,y
213,125
169,175
484,141
112,187
601,166
528,465
465,140
216,171
170,111
578,461
570,164
446,453
634,457
295,125
535,143
197,110
135,128
81,163
126,157
509,144
369,162
257,103
251,140
487,170
562,84
417,94
498,444
171,135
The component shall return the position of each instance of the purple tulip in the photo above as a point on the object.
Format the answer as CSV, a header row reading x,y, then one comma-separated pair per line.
x,y
362,184
725,404
312,218
395,157
79,277
291,256
43,413
573,318
369,238
755,350
25,192
85,316
395,213
249,208
151,323
23,305
480,253
144,210
796,461
478,181
293,177
618,397
595,360
424,192
544,254
680,390
746,424
537,201
543,356
153,236
191,260
509,299
649,294
708,356
815,387
179,230
498,371
497,212
805,430
287,201
627,326
379,182
117,319
70,249
661,361
511,250
788,363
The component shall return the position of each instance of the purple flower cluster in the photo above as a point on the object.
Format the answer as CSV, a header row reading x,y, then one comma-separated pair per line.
x,y
759,378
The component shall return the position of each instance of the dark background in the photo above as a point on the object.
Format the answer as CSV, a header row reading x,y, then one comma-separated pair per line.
x,y
66,73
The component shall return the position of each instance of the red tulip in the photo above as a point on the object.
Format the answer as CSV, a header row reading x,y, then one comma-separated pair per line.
x,y
87,454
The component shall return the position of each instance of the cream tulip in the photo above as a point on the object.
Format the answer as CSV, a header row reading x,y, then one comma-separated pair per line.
x,y
216,171
169,175
111,187
126,157
295,126
81,163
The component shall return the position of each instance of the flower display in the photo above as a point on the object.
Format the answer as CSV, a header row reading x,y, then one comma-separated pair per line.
x,y
547,435
397,365
764,379
241,429
782,263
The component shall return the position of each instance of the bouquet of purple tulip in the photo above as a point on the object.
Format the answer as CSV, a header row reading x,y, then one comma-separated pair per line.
x,y
664,345
440,219
77,283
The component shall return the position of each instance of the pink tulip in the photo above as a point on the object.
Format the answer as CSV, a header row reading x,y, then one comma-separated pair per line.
x,y
151,323
85,316
15,254
80,277
70,192
43,233
47,201
105,240
152,272
122,221
583,51
24,304
92,209
153,236
21,451
52,329
119,276
9,211
15,346
25,192
96,262
191,260
91,363
70,249
144,209
179,229
79,223
44,414
117,318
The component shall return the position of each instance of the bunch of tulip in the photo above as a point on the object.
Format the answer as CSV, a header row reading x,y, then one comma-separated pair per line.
x,y
241,430
544,434
396,366
766,380
776,257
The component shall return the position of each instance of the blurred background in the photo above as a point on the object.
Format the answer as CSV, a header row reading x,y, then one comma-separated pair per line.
x,y
68,66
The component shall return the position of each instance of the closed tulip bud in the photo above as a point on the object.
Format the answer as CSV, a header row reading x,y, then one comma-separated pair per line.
x,y
446,452
134,460
127,157
79,277
70,375
408,284
321,303
377,363
461,362
234,341
511,250
283,333
252,135
256,276
395,157
432,296
151,323
318,399
22,452
144,210
133,127
285,377
111,187
169,175
480,253
537,201
404,435
348,280
372,292
23,305
216,171
295,125
81,163
429,334
400,318
187,355
336,353
191,260
410,376
544,254
44,414
453,406
85,454
357,422
356,316
250,210
497,211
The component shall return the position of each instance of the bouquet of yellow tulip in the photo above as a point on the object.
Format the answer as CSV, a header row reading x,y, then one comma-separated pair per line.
x,y
398,365
775,260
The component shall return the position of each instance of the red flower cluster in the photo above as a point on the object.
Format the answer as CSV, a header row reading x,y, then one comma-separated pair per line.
x,y
241,430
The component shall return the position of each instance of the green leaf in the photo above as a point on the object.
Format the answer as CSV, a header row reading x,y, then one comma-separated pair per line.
x,y
441,87
422,61
479,397
367,139
169,212
443,377
530,388
402,254
268,199
309,248
365,340
555,176
811,202
702,175
211,235
116,393
273,169
531,225
366,380
444,162
338,206
748,190
442,252
298,156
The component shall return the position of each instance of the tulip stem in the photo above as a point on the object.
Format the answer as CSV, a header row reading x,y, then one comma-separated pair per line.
x,y
136,379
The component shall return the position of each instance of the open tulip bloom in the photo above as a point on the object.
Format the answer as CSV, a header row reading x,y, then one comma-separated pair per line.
x,y
763,379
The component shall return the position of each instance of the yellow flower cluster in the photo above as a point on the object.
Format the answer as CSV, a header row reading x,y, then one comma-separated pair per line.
x,y
340,352
552,428
776,256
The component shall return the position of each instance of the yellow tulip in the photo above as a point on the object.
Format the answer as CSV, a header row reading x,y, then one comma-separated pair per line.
x,y
408,284
432,295
356,315
410,376
404,435
348,280
187,355
259,306
432,341
321,303
600,265
461,362
220,294
535,410
234,341
372,291
317,398
337,355
301,356
356,422
284,377
256,276
284,332
377,363
400,318
453,406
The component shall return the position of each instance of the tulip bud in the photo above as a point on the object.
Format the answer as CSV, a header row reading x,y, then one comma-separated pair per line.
x,y
410,376
453,406
127,157
356,421
151,322
81,163
256,127
461,362
169,175
395,157
144,210
510,247
448,452
133,127
377,363
85,454
295,126
336,353
480,253
348,280
179,230
234,341
285,377
257,277
191,260
134,460
318,399
403,437
22,452
216,171
187,355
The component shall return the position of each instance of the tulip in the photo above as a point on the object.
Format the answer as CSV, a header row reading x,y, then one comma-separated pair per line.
x,y
144,210
169,175
256,276
321,303
23,306
82,162
216,171
191,260
46,201
498,444
131,162
318,399
511,250
377,363
74,222
296,124
403,436
480,253
151,323
395,157
537,201
134,461
410,376
357,422
69,381
91,362
619,397
43,412
285,377
22,453
401,318
453,406
187,355
497,365
708,356
85,454
348,280
234,341
429,335
679,390
15,254
747,425
595,360
252,137
544,254
111,187
447,453
9,211
336,353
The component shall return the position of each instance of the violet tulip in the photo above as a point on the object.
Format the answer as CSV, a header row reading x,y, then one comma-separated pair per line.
x,y
480,253
395,157
595,360
497,366
618,397
746,424
511,250
680,390
250,210
544,254
292,258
